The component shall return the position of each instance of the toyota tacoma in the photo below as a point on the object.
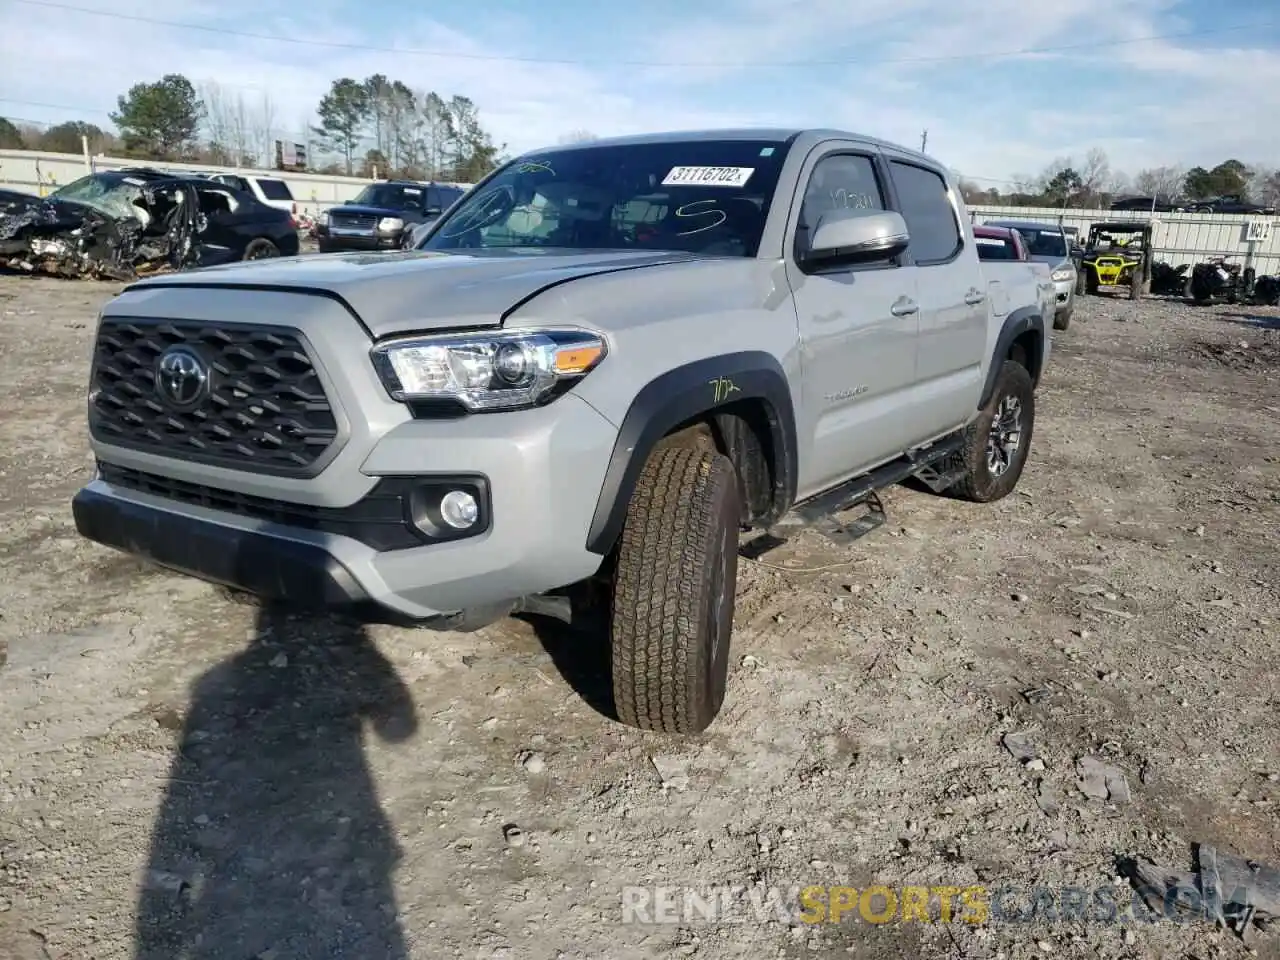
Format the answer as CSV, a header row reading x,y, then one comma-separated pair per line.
x,y
598,370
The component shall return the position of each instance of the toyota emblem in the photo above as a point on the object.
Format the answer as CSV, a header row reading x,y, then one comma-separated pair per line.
x,y
181,377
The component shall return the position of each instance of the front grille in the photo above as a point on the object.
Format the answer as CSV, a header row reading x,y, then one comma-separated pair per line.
x,y
263,409
353,221
380,519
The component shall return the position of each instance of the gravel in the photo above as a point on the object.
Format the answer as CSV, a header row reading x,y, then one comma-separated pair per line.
x,y
181,775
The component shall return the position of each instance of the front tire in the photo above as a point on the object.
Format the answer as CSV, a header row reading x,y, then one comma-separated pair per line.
x,y
673,592
996,443
1062,319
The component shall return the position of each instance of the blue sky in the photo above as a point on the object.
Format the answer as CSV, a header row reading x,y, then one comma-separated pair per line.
x,y
1198,95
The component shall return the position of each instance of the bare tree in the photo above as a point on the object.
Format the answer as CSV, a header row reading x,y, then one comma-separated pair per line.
x,y
217,121
1118,184
971,192
1162,183
1095,174
578,136
239,133
238,129
1264,187
1024,183
261,134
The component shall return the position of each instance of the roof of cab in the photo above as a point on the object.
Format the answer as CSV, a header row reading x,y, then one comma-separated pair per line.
x,y
1027,224
806,136
992,232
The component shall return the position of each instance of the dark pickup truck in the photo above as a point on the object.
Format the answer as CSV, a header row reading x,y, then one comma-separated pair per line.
x,y
383,215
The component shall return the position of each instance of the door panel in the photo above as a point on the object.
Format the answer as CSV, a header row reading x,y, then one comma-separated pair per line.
x,y
858,331
220,242
953,298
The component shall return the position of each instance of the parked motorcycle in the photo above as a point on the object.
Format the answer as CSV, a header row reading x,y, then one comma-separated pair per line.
x,y
1216,279
1168,280
1266,291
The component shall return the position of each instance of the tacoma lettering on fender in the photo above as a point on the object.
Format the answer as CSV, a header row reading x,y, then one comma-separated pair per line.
x,y
598,368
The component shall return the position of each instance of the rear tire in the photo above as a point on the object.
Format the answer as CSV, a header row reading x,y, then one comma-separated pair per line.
x,y
1009,415
1062,319
673,592
261,249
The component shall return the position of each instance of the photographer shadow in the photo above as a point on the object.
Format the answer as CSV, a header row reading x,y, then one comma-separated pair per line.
x,y
270,840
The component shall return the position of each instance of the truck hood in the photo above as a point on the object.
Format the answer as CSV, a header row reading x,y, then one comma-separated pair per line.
x,y
412,291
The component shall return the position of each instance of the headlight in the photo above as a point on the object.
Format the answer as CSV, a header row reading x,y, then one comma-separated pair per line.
x,y
1061,275
390,224
503,370
323,219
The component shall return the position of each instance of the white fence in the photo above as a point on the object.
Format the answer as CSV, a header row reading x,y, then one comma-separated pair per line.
x,y
1176,238
41,173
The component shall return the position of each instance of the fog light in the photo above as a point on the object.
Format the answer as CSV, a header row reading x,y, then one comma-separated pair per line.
x,y
459,509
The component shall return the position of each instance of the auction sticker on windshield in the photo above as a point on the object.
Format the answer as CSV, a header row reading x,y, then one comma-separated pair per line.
x,y
708,176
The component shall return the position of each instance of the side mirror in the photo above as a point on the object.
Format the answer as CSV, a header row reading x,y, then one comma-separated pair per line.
x,y
850,236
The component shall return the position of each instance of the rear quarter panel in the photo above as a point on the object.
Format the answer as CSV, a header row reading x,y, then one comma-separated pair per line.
x,y
982,282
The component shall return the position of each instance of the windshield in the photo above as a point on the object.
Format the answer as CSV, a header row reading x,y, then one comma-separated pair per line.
x,y
392,196
113,196
697,196
1045,243
1117,239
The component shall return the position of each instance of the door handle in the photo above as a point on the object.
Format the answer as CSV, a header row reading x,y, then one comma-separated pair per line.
x,y
974,297
904,308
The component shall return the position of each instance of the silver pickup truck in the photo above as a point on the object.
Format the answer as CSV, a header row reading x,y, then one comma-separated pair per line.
x,y
601,367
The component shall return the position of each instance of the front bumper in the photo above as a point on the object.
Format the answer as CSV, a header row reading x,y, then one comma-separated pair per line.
x,y
331,242
336,537
265,564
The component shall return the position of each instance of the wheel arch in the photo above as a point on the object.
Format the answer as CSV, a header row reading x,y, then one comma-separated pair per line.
x,y
1022,340
739,402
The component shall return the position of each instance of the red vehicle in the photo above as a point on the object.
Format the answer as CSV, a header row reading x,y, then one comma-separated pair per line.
x,y
1004,255
1000,243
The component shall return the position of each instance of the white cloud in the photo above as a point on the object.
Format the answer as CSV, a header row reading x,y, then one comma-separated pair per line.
x,y
916,64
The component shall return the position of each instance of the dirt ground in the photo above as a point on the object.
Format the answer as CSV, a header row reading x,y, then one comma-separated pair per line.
x,y
185,777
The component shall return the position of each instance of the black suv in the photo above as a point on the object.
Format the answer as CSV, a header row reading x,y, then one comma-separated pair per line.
x,y
1232,203
382,217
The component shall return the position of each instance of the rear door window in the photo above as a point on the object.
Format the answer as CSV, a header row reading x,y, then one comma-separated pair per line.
x,y
274,189
214,202
931,218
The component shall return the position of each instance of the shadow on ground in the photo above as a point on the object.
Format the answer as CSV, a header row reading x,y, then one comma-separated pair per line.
x,y
271,836
1253,320
581,656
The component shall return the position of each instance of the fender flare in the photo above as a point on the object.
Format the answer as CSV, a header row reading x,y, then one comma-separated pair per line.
x,y
1022,320
682,394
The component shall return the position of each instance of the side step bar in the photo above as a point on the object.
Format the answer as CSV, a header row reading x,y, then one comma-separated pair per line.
x,y
927,463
